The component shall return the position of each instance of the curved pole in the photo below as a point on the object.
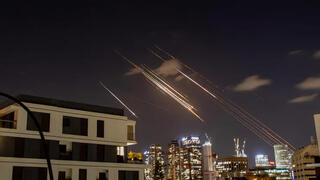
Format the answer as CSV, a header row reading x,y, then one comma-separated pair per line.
x,y
43,141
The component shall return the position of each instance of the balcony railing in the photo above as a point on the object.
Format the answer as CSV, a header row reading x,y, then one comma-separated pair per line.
x,y
11,124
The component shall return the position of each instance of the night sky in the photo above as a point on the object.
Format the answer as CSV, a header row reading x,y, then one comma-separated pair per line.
x,y
265,56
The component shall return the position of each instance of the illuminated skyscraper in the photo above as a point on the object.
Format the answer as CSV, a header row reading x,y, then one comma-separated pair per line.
x,y
262,160
282,156
175,160
192,168
155,160
207,163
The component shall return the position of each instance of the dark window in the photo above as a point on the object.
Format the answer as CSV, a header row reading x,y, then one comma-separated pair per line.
x,y
43,120
100,152
128,175
19,147
74,125
64,155
62,148
100,128
110,153
83,152
8,121
130,133
42,150
26,173
62,175
102,176
82,174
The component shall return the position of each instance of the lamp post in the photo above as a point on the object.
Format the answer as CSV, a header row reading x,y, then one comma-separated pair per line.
x,y
43,141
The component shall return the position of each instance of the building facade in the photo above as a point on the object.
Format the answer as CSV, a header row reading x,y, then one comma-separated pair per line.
x,y
304,156
232,167
269,174
282,156
175,160
154,158
84,141
192,165
207,161
261,160
317,127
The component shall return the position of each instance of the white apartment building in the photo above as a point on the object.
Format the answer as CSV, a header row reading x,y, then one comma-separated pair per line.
x,y
85,142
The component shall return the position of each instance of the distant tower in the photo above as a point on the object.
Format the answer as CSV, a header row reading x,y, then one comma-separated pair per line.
x,y
192,157
237,148
262,160
175,160
207,163
154,159
282,156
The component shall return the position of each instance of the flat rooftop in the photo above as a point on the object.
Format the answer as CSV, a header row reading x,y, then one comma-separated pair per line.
x,y
66,104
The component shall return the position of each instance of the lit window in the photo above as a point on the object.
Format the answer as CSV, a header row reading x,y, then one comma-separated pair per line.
x,y
120,151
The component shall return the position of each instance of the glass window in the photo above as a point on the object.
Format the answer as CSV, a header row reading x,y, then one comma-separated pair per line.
x,y
100,128
75,126
103,175
100,152
43,120
120,151
128,175
82,174
24,173
8,121
130,133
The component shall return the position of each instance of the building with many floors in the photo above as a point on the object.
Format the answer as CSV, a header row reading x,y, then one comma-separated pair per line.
x,y
175,160
262,160
154,159
282,156
317,127
192,158
304,156
232,167
84,141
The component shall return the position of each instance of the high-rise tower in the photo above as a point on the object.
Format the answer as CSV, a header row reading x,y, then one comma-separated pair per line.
x,y
207,163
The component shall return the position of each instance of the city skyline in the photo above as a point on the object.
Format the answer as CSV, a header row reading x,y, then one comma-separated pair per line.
x,y
266,59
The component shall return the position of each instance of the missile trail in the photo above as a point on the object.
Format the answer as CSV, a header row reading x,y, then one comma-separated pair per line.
x,y
163,86
233,109
134,114
196,83
243,116
165,89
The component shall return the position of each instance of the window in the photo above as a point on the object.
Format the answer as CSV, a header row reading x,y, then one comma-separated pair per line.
x,y
83,152
130,133
100,152
82,174
8,121
103,176
63,148
75,126
26,173
43,120
62,175
120,154
100,128
128,175
120,151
